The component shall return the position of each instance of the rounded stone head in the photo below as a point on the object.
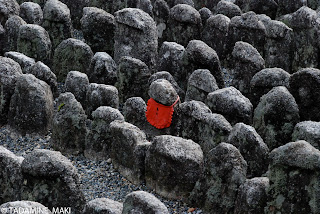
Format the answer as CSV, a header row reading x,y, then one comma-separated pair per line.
x,y
163,92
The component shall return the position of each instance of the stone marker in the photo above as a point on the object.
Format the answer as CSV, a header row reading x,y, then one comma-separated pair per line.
x,y
51,179
31,12
69,125
24,61
71,55
308,131
173,166
275,117
7,9
10,176
294,176
183,18
128,150
12,27
77,83
31,106
99,139
252,196
103,206
34,41
225,171
98,29
135,36
231,104
304,86
263,81
57,21
9,72
103,69
251,147
144,203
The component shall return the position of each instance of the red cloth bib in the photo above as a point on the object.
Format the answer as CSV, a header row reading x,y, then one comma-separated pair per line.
x,y
158,115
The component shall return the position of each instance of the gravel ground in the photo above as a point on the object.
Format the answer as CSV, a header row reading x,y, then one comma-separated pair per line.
x,y
98,178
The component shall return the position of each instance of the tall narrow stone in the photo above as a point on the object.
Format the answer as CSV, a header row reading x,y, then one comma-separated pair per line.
x,y
135,36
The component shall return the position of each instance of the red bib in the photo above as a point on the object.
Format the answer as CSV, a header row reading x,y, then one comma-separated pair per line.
x,y
158,115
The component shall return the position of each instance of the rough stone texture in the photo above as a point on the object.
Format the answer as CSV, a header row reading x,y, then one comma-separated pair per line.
x,y
10,176
34,41
99,139
77,83
268,7
44,73
161,12
308,131
231,104
247,62
76,10
163,92
144,5
136,36
31,105
57,21
305,30
251,147
7,9
228,9
23,207
98,28
225,171
167,76
188,2
31,12
275,117
69,125
198,55
201,82
143,202
215,34
9,72
294,179
103,69
252,196
101,95
134,112
279,45
133,75
173,166
184,24
170,58
263,81
211,4
289,6
103,206
305,87
247,28
12,27
24,61
106,5
40,2
51,179
3,39
196,122
205,14
71,55
128,150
